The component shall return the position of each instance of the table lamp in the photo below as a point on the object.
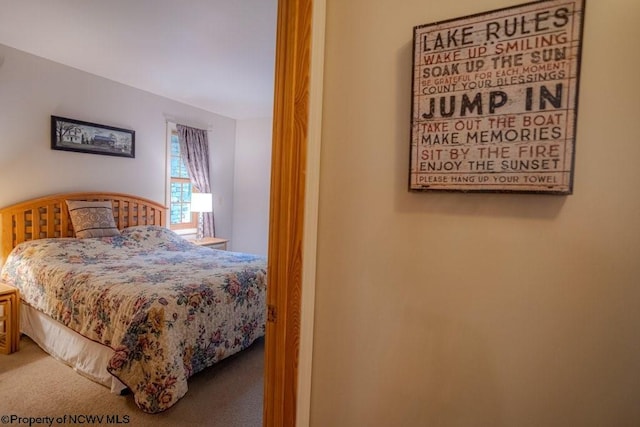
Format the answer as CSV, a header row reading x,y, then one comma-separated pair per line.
x,y
200,203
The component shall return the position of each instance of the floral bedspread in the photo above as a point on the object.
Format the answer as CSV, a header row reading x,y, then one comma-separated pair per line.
x,y
167,307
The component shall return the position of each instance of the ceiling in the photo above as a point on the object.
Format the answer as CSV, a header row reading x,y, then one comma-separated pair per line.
x,y
217,55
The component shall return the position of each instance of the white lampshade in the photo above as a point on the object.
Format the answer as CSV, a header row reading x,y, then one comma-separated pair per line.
x,y
201,202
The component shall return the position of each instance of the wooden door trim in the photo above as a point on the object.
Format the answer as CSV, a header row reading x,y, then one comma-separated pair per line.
x,y
286,217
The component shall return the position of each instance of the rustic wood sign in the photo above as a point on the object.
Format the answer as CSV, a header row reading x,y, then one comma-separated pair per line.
x,y
495,98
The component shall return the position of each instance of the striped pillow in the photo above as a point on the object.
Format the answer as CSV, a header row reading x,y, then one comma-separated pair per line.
x,y
92,219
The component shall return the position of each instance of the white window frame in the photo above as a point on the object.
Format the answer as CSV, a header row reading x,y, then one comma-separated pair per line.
x,y
171,129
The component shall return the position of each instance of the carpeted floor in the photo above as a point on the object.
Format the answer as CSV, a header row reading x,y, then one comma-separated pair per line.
x,y
33,384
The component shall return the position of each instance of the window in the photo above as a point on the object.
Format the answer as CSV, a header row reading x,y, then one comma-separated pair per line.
x,y
180,214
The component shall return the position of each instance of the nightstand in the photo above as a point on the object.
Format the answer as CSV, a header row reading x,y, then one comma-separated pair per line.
x,y
212,242
9,323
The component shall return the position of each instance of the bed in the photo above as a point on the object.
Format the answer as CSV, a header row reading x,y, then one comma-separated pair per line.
x,y
138,308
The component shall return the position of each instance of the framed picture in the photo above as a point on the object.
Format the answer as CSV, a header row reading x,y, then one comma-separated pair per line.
x,y
84,137
495,98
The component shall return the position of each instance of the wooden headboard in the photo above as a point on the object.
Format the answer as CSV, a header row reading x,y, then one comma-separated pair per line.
x,y
48,217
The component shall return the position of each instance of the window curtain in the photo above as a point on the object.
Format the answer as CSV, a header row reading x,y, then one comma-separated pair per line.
x,y
194,147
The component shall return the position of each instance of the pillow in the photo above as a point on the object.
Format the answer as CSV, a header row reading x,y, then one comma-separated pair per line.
x,y
92,219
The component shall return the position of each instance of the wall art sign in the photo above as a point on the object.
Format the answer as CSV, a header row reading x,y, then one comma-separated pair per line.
x,y
495,100
85,137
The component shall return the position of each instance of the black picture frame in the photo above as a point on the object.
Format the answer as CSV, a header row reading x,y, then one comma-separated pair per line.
x,y
84,137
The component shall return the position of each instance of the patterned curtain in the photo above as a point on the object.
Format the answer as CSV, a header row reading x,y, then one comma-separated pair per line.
x,y
194,147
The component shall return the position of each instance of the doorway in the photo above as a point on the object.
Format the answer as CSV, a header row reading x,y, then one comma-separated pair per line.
x,y
292,223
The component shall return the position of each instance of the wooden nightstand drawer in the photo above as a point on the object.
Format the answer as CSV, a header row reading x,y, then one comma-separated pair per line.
x,y
9,315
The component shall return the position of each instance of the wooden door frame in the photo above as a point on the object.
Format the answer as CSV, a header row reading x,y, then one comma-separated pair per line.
x,y
291,226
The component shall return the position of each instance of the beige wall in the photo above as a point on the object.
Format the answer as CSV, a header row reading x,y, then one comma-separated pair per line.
x,y
473,309
251,186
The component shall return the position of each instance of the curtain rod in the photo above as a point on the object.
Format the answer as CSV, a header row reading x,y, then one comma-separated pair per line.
x,y
172,120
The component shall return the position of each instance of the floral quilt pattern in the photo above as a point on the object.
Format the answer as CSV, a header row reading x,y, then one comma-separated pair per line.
x,y
167,307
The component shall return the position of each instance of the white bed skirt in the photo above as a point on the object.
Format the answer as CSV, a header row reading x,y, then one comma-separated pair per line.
x,y
86,357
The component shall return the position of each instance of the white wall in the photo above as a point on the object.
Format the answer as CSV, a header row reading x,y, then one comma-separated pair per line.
x,y
252,186
32,89
473,309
